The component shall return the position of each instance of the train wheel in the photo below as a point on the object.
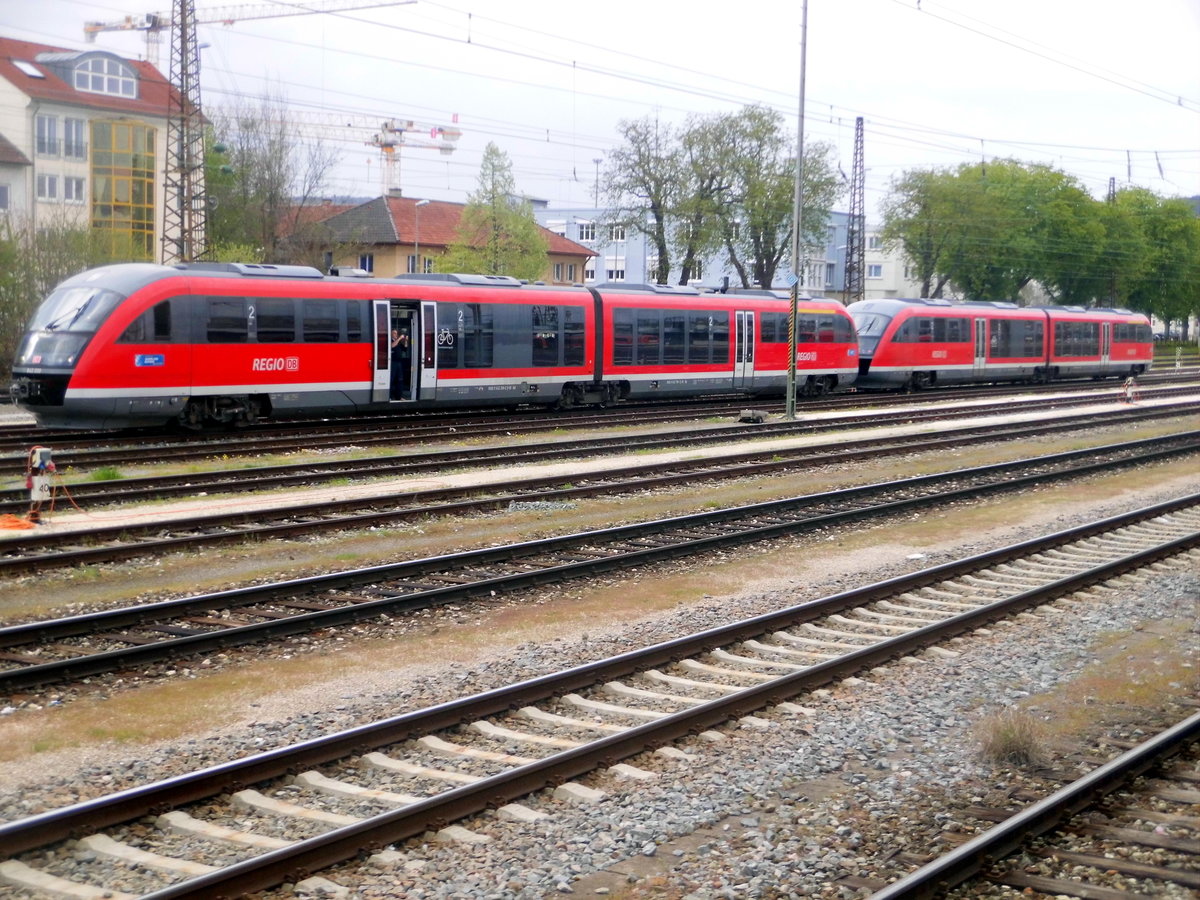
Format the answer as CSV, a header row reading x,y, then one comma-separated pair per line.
x,y
192,417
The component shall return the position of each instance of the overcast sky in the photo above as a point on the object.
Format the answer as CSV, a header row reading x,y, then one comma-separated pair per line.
x,y
1097,88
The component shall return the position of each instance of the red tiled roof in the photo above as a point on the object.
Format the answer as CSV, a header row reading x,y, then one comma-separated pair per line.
x,y
153,89
439,225
10,154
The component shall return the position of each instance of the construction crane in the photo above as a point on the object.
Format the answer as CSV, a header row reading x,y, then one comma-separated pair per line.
x,y
154,24
395,134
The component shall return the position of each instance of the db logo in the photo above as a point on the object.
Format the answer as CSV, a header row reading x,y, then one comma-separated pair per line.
x,y
276,364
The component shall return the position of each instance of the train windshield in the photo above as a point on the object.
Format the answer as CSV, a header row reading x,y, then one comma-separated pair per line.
x,y
62,326
870,327
77,309
870,324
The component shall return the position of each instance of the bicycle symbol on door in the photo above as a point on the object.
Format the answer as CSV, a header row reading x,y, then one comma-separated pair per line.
x,y
445,338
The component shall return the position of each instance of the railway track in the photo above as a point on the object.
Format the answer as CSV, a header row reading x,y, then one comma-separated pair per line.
x,y
263,820
90,450
41,550
258,478
1090,834
38,653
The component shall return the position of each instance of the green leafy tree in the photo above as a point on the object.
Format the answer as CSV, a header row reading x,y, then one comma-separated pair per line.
x,y
722,185
642,185
1169,284
497,233
918,219
755,213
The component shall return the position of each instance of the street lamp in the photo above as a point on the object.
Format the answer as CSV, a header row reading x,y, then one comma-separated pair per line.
x,y
417,242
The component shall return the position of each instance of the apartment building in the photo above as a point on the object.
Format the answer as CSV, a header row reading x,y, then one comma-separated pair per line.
x,y
83,144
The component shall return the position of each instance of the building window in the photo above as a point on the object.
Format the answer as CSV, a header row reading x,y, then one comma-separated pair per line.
x,y
616,233
47,136
366,262
558,271
75,138
73,190
616,274
100,75
829,273
4,198
571,273
47,187
587,231
874,242
410,267
875,270
589,273
123,185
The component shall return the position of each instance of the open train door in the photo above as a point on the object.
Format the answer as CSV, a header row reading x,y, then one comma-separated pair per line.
x,y
981,346
381,371
743,356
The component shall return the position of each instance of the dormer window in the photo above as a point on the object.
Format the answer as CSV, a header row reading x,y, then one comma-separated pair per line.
x,y
101,75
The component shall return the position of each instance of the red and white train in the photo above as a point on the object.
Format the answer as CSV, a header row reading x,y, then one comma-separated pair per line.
x,y
912,344
145,345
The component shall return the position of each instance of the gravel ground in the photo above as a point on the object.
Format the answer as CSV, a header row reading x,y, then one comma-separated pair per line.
x,y
774,813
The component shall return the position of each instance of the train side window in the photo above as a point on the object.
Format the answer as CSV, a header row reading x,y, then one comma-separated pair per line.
x,y
648,349
227,320
152,326
320,322
276,320
720,337
674,339
843,331
622,337
544,336
806,330
574,336
354,332
699,349
476,325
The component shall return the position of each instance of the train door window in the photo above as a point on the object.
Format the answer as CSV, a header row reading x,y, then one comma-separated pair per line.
x,y
648,349
622,337
228,322
276,320
151,327
924,330
674,339
720,337
320,322
545,335
574,336
354,322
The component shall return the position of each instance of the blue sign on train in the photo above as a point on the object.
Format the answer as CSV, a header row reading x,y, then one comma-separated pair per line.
x,y
149,359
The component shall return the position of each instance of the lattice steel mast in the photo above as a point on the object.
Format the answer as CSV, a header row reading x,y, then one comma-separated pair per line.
x,y
856,229
185,218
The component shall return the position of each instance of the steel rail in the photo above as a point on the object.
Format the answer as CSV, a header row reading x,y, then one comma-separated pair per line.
x,y
399,431
233,481
73,821
304,857
19,554
107,661
969,859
